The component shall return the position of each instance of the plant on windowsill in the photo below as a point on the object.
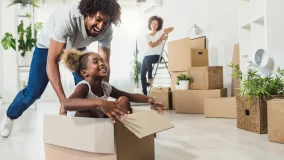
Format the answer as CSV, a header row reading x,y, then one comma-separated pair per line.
x,y
136,66
184,81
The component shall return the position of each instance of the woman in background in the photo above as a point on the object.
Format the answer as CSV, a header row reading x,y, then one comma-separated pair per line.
x,y
154,40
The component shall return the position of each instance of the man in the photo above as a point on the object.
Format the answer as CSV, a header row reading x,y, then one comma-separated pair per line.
x,y
72,26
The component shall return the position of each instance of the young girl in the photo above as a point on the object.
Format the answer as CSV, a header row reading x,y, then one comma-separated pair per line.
x,y
90,96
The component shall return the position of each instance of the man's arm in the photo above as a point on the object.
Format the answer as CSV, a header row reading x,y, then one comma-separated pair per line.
x,y
52,67
105,54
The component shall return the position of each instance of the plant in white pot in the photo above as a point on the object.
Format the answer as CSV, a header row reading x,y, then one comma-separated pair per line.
x,y
184,81
177,85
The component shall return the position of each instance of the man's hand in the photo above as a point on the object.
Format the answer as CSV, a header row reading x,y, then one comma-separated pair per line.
x,y
62,111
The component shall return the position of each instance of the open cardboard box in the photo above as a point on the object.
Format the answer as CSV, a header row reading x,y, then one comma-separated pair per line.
x,y
80,138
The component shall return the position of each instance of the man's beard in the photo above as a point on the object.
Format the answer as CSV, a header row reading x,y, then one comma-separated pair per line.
x,y
90,34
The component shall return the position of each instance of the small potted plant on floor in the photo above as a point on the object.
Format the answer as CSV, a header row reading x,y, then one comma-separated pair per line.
x,y
184,81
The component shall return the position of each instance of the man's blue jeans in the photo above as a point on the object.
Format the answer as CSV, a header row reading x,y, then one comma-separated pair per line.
x,y
37,83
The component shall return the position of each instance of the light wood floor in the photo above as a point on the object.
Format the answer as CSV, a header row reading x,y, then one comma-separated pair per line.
x,y
193,138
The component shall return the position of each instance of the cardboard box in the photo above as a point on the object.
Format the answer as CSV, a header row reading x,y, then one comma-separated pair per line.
x,y
162,95
198,43
206,77
235,82
220,107
80,138
275,113
182,56
174,78
192,101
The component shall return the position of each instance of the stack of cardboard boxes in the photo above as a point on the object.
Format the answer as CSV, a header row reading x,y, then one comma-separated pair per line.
x,y
191,57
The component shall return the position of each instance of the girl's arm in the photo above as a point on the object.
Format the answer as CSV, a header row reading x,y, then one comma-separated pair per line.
x,y
138,98
77,101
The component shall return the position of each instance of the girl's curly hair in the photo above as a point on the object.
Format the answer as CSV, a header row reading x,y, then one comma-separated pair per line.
x,y
75,60
160,22
109,7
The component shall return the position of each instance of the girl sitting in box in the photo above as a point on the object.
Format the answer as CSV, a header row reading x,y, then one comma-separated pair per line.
x,y
90,96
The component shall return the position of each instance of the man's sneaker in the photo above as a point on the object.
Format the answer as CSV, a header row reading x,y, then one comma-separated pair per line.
x,y
6,126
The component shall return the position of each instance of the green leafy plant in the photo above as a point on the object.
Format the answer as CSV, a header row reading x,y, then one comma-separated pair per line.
x,y
253,84
177,82
184,77
25,42
24,2
136,66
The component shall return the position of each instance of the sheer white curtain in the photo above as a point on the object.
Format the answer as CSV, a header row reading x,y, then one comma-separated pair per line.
x,y
122,49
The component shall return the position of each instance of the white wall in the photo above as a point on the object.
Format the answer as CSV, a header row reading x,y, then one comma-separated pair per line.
x,y
9,82
1,58
217,18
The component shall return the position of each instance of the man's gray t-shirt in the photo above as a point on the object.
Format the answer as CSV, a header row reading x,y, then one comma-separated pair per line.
x,y
66,25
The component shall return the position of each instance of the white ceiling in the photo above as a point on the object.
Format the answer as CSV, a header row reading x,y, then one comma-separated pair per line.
x,y
127,3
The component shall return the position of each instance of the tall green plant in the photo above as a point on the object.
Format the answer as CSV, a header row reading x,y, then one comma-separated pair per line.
x,y
25,42
136,66
253,84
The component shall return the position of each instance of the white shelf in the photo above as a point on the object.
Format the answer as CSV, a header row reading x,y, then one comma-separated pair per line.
x,y
259,19
257,8
244,12
246,26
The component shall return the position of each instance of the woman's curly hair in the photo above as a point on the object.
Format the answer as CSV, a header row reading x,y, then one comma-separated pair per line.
x,y
75,60
160,22
109,7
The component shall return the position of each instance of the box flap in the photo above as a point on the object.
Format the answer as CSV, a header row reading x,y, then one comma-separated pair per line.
x,y
86,134
143,124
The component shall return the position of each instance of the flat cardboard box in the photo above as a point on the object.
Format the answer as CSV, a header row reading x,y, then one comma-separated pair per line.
x,y
205,78
224,107
235,82
174,78
162,95
198,43
192,101
80,138
181,56
275,117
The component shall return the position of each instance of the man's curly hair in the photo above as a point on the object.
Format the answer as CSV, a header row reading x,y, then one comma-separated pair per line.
x,y
160,22
109,7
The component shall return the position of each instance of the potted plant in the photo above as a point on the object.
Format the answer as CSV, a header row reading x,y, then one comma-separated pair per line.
x,y
184,81
177,85
25,41
136,66
255,91
24,2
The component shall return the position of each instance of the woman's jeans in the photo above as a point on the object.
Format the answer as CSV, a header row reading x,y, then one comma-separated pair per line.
x,y
147,66
37,83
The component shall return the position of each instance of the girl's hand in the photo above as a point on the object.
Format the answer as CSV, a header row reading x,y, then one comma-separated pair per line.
x,y
156,106
112,110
